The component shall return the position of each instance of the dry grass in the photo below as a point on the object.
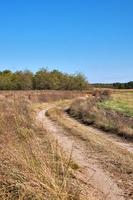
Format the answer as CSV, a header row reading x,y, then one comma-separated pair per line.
x,y
37,96
97,112
32,166
114,159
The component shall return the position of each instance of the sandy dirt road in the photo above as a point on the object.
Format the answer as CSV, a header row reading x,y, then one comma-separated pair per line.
x,y
95,179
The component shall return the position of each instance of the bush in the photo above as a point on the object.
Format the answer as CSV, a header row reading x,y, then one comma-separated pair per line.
x,y
102,94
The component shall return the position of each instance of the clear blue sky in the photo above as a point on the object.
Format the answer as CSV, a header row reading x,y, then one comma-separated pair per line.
x,y
90,36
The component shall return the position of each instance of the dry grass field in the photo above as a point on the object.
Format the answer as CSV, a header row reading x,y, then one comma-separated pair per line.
x,y
32,165
45,154
36,96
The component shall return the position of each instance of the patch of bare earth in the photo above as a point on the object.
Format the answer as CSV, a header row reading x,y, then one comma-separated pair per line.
x,y
96,176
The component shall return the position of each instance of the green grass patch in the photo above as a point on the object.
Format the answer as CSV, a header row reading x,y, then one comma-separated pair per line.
x,y
121,102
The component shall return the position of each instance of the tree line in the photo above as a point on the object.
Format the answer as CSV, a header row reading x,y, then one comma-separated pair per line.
x,y
42,80
128,85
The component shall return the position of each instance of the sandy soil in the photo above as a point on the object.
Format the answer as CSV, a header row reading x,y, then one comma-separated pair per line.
x,y
123,143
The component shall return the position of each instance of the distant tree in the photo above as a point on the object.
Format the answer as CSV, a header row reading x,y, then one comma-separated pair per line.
x,y
6,80
56,78
130,85
22,80
42,80
81,82
5,72
116,85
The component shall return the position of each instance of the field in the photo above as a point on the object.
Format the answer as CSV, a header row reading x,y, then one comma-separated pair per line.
x,y
121,102
111,112
47,154
41,95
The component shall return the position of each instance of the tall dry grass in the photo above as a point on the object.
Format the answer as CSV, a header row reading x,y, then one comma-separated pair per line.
x,y
32,166
36,96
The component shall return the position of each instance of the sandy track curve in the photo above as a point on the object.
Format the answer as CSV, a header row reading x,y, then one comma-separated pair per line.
x,y
96,180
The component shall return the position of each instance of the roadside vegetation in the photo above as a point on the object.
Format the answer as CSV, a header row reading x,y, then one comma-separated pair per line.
x,y
32,165
113,159
110,112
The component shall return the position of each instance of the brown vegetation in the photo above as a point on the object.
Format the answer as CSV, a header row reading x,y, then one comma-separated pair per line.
x,y
89,112
42,96
114,159
31,163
